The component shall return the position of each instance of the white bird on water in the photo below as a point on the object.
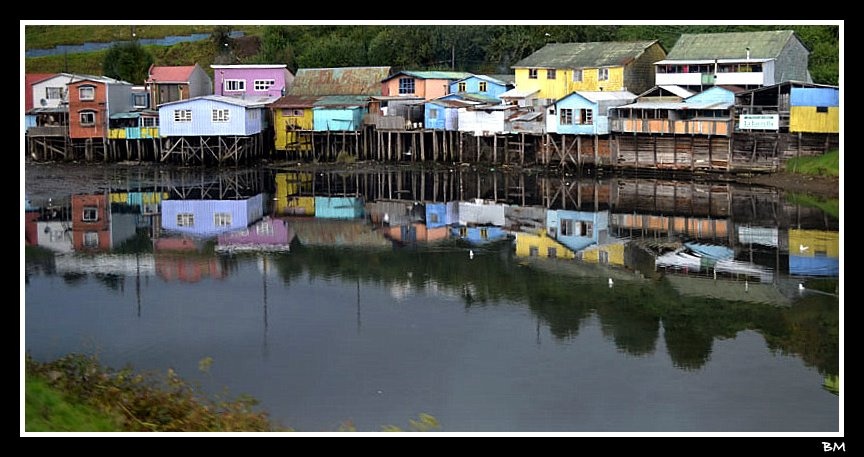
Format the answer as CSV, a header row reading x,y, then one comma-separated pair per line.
x,y
611,283
470,253
800,287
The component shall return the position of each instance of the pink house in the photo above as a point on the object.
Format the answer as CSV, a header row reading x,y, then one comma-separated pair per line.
x,y
426,84
252,81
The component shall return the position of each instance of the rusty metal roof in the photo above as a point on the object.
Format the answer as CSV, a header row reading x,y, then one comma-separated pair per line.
x,y
294,101
336,101
339,81
733,45
585,55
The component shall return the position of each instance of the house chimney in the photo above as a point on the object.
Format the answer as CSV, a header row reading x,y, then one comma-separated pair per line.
x,y
748,53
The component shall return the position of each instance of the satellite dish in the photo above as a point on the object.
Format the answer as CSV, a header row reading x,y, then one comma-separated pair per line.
x,y
43,102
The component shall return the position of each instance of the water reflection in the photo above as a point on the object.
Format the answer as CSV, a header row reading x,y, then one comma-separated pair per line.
x,y
660,264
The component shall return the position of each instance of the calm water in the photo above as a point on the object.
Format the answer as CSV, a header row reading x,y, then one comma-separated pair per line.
x,y
356,298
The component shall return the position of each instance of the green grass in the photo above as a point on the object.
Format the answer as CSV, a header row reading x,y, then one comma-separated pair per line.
x,y
47,410
49,36
827,164
827,205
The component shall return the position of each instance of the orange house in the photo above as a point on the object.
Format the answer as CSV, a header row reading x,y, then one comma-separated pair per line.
x,y
91,223
426,84
92,101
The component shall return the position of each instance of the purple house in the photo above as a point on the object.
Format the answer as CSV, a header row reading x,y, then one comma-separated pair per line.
x,y
268,234
252,81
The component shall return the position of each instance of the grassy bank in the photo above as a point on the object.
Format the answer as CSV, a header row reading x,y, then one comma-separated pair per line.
x,y
827,164
48,410
828,205
49,36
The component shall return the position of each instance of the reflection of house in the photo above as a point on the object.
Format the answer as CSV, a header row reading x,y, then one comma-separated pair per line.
x,y
417,232
331,233
728,290
339,207
395,212
96,226
610,253
54,235
210,217
479,234
439,214
173,83
559,69
289,187
814,252
539,244
737,58
481,212
112,264
577,229
268,234
185,259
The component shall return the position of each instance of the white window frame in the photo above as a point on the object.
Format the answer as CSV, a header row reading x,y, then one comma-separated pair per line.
x,y
185,220
602,74
90,92
263,85
90,214
234,85
182,115
89,113
91,239
405,84
54,93
577,75
586,116
532,73
264,228
221,115
137,97
222,219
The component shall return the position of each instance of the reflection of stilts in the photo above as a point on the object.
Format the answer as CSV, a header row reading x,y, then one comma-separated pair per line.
x,y
358,305
138,281
265,263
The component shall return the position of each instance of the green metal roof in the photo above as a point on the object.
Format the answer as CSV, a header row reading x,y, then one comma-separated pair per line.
x,y
454,75
342,100
339,81
585,55
763,45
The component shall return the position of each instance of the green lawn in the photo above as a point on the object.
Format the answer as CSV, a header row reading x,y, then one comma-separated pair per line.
x,y
827,164
47,410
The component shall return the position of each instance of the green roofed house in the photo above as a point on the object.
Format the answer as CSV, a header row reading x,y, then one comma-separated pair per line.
x,y
427,84
745,59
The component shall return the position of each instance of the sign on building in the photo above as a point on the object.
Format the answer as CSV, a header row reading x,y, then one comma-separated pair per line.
x,y
759,122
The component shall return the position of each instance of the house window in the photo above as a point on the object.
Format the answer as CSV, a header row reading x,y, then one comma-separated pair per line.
x,y
292,112
264,228
54,93
91,239
149,121
568,227
182,115
586,229
86,93
484,233
821,109
221,115
552,252
482,86
603,74
406,85
87,117
185,220
603,257
586,116
463,232
550,73
433,113
577,76
222,219
532,73
262,85
140,101
566,116
433,218
461,87
235,85
533,251
90,214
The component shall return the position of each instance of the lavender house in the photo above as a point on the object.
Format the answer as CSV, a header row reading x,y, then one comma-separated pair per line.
x,y
211,217
252,81
268,234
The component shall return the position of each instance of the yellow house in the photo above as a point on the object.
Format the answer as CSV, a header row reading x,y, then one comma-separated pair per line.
x,y
559,69
609,253
541,245
288,198
292,113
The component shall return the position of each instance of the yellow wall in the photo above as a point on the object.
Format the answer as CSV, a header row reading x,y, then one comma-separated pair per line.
x,y
814,240
615,251
524,242
288,186
285,138
806,119
563,83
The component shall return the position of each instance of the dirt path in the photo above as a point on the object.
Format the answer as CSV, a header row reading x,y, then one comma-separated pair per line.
x,y
820,186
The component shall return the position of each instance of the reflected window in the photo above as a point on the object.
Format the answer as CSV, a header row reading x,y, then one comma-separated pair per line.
x,y
185,220
533,251
484,233
264,228
463,231
552,252
90,214
568,227
433,218
222,219
91,239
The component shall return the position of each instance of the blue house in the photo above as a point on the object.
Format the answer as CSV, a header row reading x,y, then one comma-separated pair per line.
x,y
479,234
339,207
214,115
440,214
481,85
211,217
584,113
443,114
577,229
339,112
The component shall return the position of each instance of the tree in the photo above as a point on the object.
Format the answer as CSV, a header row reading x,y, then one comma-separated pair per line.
x,y
128,62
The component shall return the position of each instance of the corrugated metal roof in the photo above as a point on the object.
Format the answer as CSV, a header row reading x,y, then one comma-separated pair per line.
x,y
454,75
453,103
248,103
743,58
295,101
486,78
339,81
134,114
526,116
677,105
507,78
516,93
331,101
386,98
596,96
170,74
582,55
101,79
733,45
478,97
262,65
677,90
